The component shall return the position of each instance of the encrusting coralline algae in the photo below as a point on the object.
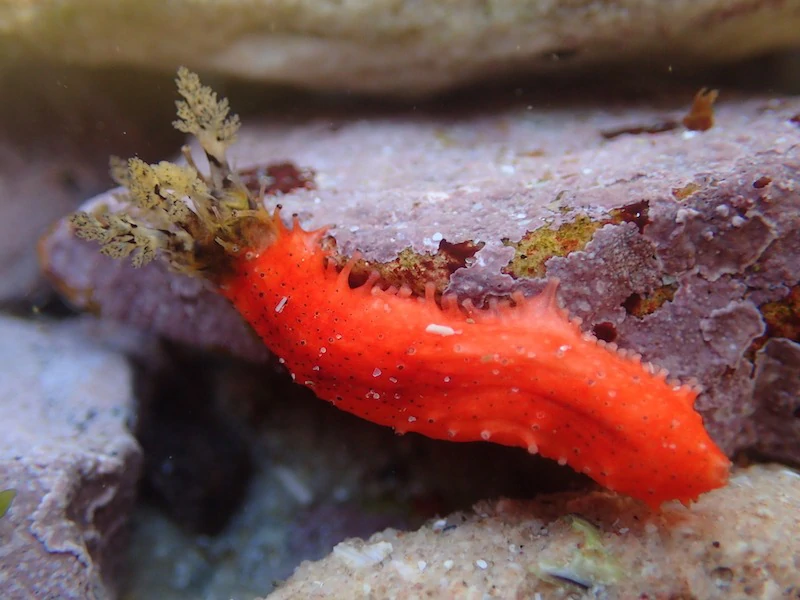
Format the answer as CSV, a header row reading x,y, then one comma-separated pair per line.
x,y
518,373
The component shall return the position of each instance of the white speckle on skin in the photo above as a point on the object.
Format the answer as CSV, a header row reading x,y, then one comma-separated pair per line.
x,y
442,330
562,461
393,379
437,237
412,419
448,564
447,380
508,169
421,565
323,350
281,304
481,564
376,372
486,435
737,221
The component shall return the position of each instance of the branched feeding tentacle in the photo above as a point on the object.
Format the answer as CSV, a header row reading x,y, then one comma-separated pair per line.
x,y
196,221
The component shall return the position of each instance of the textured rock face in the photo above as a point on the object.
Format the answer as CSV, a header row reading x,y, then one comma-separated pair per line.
x,y
395,47
66,449
673,244
514,549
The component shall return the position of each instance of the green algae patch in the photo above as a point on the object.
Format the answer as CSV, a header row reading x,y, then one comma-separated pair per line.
x,y
411,269
538,246
682,193
589,566
640,305
6,498
782,319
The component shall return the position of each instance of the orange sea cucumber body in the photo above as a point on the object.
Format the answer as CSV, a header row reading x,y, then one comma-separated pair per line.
x,y
519,376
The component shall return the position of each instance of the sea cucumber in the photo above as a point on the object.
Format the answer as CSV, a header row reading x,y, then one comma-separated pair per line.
x,y
519,375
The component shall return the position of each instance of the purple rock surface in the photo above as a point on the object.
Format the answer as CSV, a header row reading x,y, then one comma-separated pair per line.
x,y
716,226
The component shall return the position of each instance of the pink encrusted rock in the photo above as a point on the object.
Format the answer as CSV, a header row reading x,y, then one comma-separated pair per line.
x,y
691,233
66,450
177,307
777,397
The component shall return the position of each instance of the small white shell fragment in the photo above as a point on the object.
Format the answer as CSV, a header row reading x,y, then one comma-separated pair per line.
x,y
367,555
